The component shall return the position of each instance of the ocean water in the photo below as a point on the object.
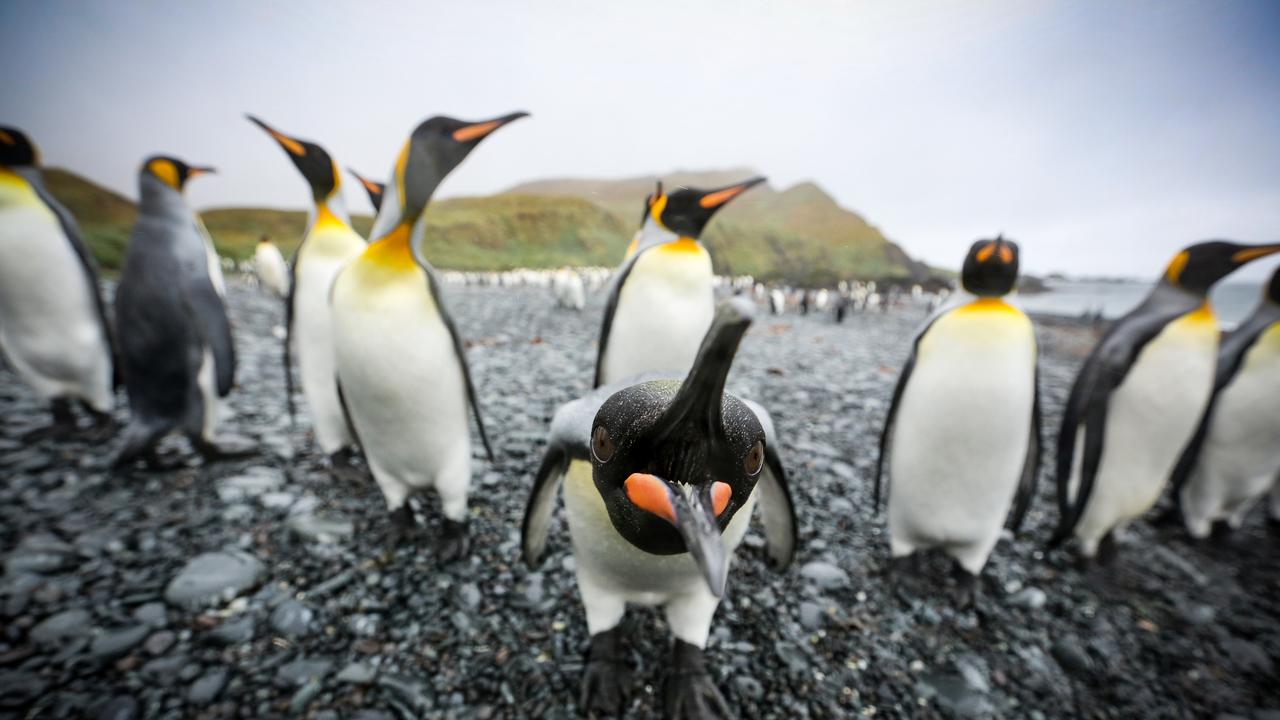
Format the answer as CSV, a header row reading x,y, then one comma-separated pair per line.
x,y
1231,301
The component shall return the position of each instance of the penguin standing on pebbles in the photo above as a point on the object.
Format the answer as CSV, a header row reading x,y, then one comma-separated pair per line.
x,y
665,287
1235,455
963,431
660,479
402,370
175,338
1139,397
54,330
270,267
328,245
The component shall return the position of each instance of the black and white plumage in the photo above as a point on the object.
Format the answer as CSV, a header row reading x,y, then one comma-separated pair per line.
x,y
1234,457
660,477
176,344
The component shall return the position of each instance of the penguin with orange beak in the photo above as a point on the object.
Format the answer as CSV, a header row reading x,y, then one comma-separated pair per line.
x,y
660,479
665,287
402,369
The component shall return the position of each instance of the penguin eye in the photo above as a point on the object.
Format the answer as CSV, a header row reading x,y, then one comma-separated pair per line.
x,y
601,444
755,459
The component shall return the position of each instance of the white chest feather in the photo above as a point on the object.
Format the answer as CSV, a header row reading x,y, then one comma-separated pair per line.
x,y
664,308
49,323
1150,419
962,429
614,563
399,371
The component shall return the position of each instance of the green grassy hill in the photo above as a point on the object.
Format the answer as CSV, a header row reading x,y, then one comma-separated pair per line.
x,y
799,234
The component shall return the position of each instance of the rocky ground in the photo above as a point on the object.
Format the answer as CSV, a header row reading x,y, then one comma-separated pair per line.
x,y
256,588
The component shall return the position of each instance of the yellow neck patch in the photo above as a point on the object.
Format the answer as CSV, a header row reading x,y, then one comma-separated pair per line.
x,y
325,219
392,251
988,305
401,161
680,247
1202,314
166,171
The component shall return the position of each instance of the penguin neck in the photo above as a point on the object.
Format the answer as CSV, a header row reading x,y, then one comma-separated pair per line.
x,y
330,212
395,250
652,233
157,198
1166,294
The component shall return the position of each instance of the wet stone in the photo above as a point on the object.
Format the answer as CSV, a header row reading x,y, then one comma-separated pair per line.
x,y
234,631
825,575
292,619
116,642
66,624
322,529
357,673
300,671
119,708
207,688
214,577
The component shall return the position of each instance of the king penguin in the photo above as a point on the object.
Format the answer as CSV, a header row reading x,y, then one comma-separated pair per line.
x,y
175,338
1139,397
1234,456
270,267
373,188
402,369
963,431
54,331
660,479
664,288
328,244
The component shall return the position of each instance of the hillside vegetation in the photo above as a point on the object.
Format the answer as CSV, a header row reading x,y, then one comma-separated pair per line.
x,y
799,234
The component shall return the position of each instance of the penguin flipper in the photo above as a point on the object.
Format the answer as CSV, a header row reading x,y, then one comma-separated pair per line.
x,y
1031,467
886,433
287,351
72,230
433,284
542,502
205,305
610,308
776,510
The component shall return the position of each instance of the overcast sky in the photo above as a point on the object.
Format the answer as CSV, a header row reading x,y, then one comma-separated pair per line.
x,y
1101,135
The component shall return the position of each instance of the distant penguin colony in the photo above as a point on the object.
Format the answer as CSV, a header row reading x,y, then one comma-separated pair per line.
x,y
660,465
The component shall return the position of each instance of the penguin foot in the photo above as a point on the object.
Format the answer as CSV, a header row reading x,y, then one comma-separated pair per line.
x,y
343,469
101,431
400,529
63,425
607,677
224,448
455,541
1107,549
966,591
688,692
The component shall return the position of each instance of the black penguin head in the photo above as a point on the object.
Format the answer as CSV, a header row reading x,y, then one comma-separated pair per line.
x,y
310,159
991,267
375,189
687,211
16,149
1273,287
675,461
171,171
1197,267
436,147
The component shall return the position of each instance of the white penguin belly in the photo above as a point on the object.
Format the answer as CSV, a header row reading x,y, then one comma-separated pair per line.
x,y
322,255
271,269
1150,419
50,329
664,309
962,430
403,384
1241,452
617,566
